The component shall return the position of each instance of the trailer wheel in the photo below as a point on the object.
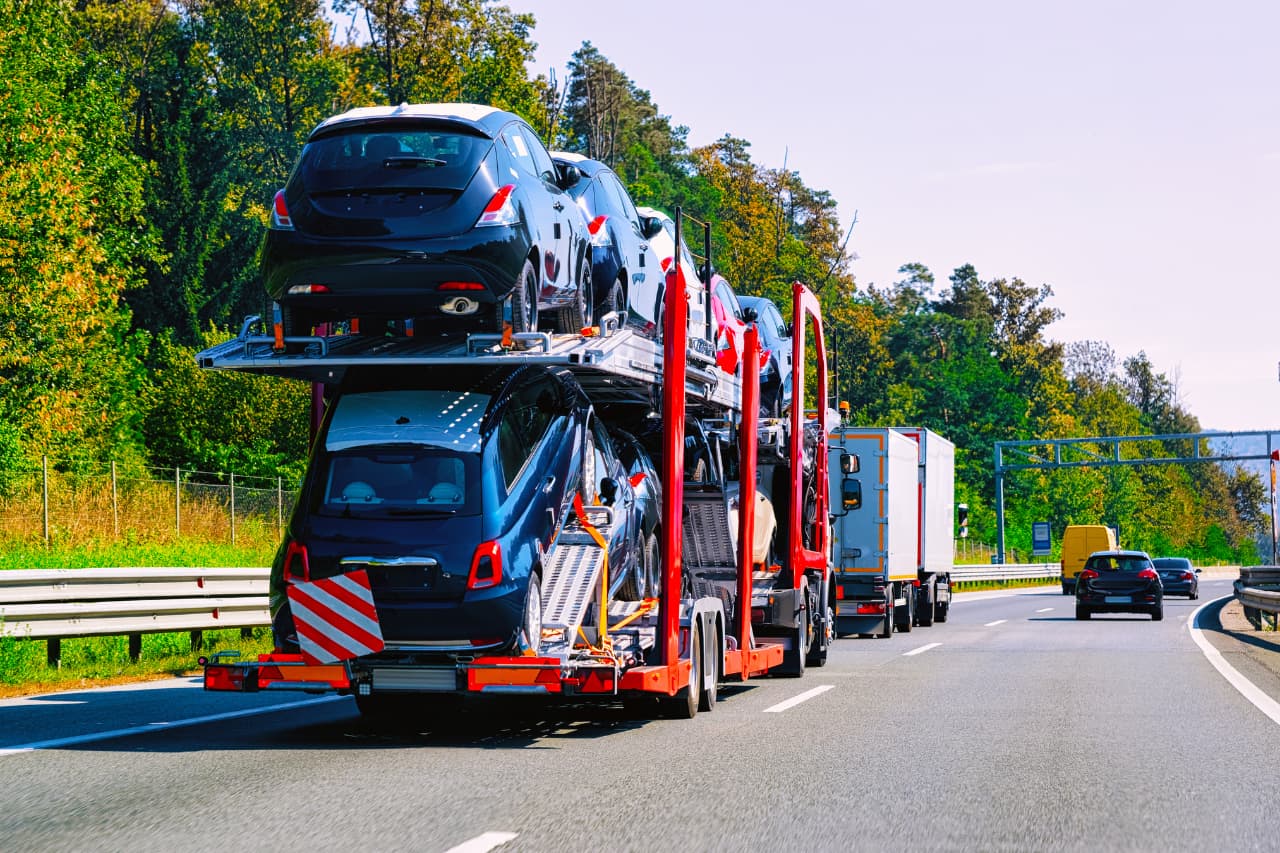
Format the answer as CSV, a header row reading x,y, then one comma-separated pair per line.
x,y
822,638
707,702
940,610
888,616
684,705
904,624
924,614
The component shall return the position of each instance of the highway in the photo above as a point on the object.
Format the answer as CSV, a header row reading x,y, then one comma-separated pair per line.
x,y
1011,727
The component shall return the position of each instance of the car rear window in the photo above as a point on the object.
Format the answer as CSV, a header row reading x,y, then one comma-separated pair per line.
x,y
390,158
1115,563
395,480
1172,563
444,419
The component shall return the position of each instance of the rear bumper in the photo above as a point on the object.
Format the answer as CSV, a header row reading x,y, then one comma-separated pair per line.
x,y
1136,603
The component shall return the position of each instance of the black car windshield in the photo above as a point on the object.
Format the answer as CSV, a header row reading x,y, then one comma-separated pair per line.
x,y
390,159
399,480
1118,563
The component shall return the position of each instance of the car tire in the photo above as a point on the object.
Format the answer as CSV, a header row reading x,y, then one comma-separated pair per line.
x,y
524,302
1082,612
651,561
297,323
1157,614
530,637
614,301
580,313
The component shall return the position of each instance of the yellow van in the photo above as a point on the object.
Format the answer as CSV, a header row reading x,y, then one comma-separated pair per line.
x,y
1078,542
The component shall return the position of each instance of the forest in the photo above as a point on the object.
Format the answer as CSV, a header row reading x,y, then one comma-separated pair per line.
x,y
141,142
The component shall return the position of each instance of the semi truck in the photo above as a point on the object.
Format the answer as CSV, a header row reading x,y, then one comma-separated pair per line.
x,y
892,492
714,616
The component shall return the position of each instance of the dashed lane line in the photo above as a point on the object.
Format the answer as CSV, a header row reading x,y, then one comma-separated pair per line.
x,y
921,649
796,700
75,740
1044,609
995,623
1247,688
483,843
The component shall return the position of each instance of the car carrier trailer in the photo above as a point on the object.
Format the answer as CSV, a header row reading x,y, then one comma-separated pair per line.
x,y
676,648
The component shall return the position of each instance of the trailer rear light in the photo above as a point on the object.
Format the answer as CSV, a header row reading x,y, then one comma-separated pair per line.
x,y
306,289
871,609
486,566
839,593
599,234
500,210
1148,575
224,677
1088,575
757,614
461,285
280,219
296,551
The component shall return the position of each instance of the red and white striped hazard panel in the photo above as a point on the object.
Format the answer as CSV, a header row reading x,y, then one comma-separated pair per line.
x,y
335,618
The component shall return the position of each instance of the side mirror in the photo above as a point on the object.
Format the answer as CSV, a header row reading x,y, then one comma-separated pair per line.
x,y
790,329
567,175
1197,571
749,315
608,491
650,226
851,494
849,463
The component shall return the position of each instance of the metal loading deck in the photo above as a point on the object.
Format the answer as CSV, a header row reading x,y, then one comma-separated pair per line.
x,y
612,365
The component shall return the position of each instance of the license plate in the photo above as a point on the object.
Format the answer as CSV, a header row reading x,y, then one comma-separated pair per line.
x,y
1117,599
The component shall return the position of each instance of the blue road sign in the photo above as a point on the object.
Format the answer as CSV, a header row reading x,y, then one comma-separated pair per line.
x,y
1041,539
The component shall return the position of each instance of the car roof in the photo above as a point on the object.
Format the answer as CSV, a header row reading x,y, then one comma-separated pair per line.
x,y
1121,553
484,119
651,211
753,301
589,167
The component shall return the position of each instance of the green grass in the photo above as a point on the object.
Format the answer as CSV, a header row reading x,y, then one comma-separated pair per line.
x,y
94,661
194,553
976,586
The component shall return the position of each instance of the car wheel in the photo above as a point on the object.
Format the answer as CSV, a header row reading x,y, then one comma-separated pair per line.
x,y
531,625
614,301
1082,612
580,313
650,561
297,322
524,302
1157,614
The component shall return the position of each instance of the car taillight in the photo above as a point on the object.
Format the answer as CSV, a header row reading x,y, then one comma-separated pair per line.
x,y
306,289
500,210
1148,575
599,234
1188,576
296,551
1088,575
486,566
461,285
280,219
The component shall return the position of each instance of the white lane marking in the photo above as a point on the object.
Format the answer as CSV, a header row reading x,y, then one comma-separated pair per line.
x,y
483,843
1044,609
796,700
995,623
1247,688
56,743
923,648
67,697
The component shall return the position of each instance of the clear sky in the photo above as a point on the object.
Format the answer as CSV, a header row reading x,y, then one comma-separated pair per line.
x,y
1125,153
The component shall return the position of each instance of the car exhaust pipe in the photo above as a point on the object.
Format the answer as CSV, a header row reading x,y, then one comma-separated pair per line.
x,y
460,307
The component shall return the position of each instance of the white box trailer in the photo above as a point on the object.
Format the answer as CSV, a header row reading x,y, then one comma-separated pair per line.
x,y
875,504
936,545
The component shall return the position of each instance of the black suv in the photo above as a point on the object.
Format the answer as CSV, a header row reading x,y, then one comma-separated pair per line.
x,y
444,212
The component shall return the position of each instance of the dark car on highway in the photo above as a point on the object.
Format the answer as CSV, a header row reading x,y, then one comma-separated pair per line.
x,y
622,262
1119,582
1178,576
775,346
444,213
448,490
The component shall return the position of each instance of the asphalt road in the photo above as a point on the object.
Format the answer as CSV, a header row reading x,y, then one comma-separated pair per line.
x,y
1020,729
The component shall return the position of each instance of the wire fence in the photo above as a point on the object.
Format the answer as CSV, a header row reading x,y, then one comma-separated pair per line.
x,y
106,503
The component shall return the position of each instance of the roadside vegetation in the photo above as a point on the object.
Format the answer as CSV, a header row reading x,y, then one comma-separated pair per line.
x,y
142,140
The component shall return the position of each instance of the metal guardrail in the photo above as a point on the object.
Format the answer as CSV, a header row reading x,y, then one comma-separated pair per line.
x,y
1258,591
52,604
1005,572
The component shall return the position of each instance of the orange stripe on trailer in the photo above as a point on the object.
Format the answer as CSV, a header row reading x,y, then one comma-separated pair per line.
x,y
666,680
334,674
484,673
